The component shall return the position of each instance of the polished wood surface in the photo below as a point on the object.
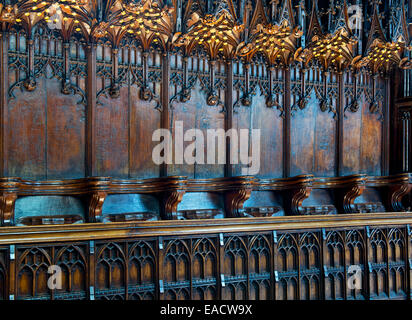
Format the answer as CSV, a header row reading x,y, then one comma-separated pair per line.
x,y
79,188
88,132
290,258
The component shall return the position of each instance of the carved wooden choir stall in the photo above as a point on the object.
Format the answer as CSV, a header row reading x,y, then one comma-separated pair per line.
x,y
84,84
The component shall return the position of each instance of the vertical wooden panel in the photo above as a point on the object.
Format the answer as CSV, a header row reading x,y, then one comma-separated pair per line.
x,y
209,117
386,127
65,134
339,124
212,117
51,123
270,123
325,145
144,119
111,120
142,116
287,128
165,98
112,135
186,113
302,138
313,130
363,129
241,120
91,111
195,113
371,142
351,142
242,115
229,116
26,134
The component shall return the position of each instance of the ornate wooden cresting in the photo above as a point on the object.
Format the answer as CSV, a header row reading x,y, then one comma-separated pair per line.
x,y
85,83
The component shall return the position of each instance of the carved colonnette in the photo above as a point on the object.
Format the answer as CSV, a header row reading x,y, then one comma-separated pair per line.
x,y
402,128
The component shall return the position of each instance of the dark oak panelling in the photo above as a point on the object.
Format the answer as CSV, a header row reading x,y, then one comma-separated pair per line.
x,y
402,130
51,123
363,123
352,142
371,134
124,146
143,115
313,129
251,111
186,114
53,146
189,82
108,133
269,121
112,136
370,157
312,141
65,135
27,157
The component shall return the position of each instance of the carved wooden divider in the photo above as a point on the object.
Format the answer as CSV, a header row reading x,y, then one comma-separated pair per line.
x,y
264,259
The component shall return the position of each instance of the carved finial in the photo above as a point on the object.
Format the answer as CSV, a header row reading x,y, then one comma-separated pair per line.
x,y
376,31
286,15
315,28
274,6
342,22
400,32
